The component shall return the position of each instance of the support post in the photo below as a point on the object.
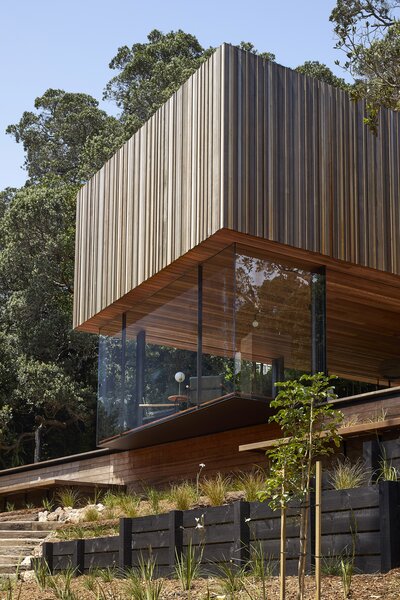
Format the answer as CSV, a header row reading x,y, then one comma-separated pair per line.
x,y
175,536
318,321
318,521
78,557
47,555
125,544
199,366
241,533
389,520
310,558
372,454
278,373
140,367
125,415
282,561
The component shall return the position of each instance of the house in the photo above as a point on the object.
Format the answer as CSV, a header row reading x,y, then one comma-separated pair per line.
x,y
247,233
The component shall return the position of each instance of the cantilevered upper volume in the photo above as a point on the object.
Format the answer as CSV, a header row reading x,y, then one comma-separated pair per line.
x,y
244,147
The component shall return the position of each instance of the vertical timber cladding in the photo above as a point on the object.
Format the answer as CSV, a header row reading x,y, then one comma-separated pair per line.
x,y
247,145
155,199
303,169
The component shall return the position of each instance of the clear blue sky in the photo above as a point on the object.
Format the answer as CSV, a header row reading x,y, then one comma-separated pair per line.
x,y
68,44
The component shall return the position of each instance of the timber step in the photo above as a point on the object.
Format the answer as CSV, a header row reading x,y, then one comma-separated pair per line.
x,y
19,542
28,526
18,539
18,534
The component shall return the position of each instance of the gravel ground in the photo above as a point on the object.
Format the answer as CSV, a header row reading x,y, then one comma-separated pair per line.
x,y
364,587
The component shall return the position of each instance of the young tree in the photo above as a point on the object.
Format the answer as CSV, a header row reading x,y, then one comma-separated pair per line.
x,y
310,423
368,32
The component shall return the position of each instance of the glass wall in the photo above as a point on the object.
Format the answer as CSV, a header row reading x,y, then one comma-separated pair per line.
x,y
237,323
117,381
273,305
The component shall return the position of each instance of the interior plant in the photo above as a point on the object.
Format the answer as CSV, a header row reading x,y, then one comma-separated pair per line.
x,y
310,424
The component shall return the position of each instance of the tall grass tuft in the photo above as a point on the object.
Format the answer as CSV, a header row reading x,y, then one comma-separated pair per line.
x,y
121,504
67,497
261,566
60,585
187,566
90,514
346,573
215,489
154,498
387,471
346,475
42,572
252,483
231,578
183,495
141,583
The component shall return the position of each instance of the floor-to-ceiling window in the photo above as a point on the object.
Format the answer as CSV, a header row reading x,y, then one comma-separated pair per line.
x,y
236,324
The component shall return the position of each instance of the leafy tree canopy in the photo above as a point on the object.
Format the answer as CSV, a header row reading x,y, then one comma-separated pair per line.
x,y
368,32
57,135
149,73
313,68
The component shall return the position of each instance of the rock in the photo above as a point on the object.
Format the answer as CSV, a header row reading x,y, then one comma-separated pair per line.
x,y
26,562
43,516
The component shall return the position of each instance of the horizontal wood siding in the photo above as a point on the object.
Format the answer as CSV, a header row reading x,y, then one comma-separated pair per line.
x,y
249,146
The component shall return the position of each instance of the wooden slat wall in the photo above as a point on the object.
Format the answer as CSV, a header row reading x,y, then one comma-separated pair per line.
x,y
155,199
304,170
245,145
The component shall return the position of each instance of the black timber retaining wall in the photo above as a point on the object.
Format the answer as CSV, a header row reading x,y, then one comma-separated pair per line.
x,y
365,521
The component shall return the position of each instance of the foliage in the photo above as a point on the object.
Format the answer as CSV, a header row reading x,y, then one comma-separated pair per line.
x,y
368,32
149,73
231,578
75,532
47,372
64,128
121,504
311,424
187,566
313,68
154,498
141,583
346,475
67,497
252,483
215,488
346,572
387,471
183,495
60,585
